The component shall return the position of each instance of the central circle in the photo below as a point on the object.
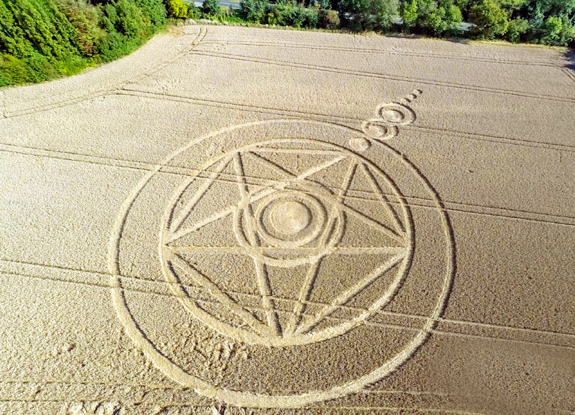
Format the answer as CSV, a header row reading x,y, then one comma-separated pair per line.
x,y
286,219
289,217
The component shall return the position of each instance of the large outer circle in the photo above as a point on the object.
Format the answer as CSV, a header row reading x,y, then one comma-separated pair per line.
x,y
255,400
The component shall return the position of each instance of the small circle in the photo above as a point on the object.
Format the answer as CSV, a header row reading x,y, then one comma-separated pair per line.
x,y
289,217
359,144
396,114
393,115
379,129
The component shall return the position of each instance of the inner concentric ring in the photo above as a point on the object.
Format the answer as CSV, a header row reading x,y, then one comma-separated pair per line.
x,y
290,227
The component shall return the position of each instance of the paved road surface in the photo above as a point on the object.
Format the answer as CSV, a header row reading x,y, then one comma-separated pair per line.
x,y
225,3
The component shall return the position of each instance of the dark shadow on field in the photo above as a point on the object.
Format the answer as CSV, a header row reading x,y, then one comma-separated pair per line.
x,y
570,55
401,35
460,40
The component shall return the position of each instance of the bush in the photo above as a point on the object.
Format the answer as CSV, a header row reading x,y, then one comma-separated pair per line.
x,y
211,7
228,15
194,12
130,19
557,31
517,28
177,9
40,69
368,14
114,46
328,19
38,42
85,20
409,14
155,11
292,14
254,10
44,39
490,19
13,71
127,26
311,17
33,25
454,19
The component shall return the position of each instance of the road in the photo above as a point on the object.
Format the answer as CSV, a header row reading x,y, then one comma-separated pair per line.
x,y
225,3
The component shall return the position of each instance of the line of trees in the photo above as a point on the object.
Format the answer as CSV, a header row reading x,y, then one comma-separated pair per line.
x,y
550,22
45,39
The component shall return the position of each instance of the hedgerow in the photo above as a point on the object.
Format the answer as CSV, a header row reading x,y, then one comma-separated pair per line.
x,y
549,22
45,39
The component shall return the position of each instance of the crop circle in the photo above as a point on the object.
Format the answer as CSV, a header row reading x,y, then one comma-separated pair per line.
x,y
286,224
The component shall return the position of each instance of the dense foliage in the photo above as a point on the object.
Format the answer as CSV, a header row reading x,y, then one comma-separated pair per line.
x,y
368,14
44,39
550,22
283,13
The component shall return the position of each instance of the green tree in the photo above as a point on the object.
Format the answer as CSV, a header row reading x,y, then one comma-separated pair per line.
x,y
254,10
409,13
368,14
517,28
454,18
490,19
557,31
432,17
550,21
385,12
177,9
211,7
